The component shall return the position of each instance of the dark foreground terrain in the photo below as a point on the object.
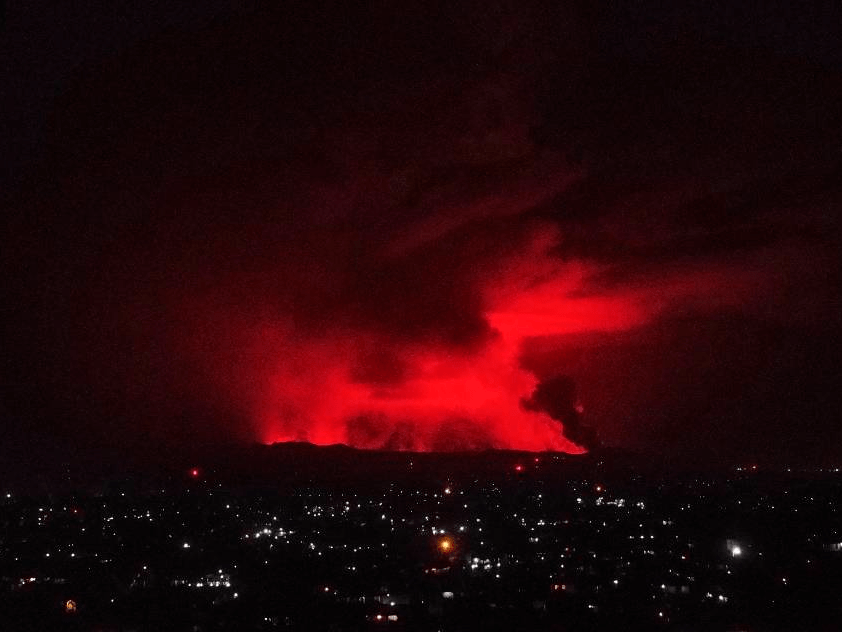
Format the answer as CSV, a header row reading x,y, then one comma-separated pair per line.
x,y
302,538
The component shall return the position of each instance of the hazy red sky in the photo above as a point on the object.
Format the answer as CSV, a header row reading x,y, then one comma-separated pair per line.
x,y
388,225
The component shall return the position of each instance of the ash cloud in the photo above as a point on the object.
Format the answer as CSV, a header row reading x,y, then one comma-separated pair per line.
x,y
557,397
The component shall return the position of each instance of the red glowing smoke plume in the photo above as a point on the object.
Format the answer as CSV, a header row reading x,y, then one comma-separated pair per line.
x,y
368,383
378,389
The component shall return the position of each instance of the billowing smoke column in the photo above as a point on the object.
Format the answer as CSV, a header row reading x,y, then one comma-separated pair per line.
x,y
557,397
425,349
439,381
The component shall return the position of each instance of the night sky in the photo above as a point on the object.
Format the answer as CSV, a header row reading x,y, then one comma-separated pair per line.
x,y
423,225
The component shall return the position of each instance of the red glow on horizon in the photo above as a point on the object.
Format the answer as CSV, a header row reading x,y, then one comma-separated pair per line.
x,y
446,401
444,398
316,385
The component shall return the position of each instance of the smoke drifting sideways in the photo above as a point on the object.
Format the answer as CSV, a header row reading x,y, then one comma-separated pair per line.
x,y
427,352
413,371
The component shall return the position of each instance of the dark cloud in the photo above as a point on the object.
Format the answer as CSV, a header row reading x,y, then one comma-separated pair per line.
x,y
557,397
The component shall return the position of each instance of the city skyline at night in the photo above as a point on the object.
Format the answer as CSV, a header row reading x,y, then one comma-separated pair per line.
x,y
420,315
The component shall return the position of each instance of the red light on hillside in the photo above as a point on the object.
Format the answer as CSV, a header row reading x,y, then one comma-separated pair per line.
x,y
194,473
518,468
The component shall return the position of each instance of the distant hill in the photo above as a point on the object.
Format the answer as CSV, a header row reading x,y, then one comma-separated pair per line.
x,y
301,464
